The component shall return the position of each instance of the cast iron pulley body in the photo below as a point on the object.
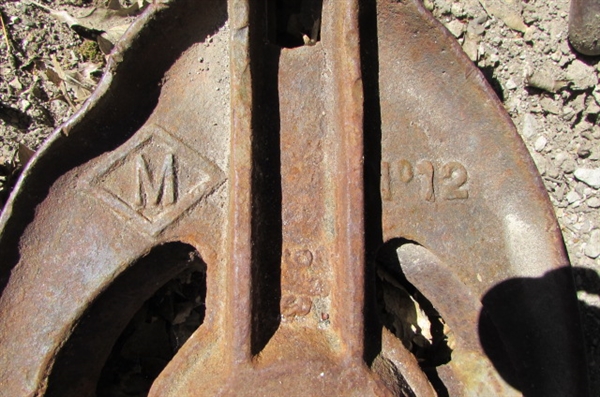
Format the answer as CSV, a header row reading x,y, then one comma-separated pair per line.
x,y
319,163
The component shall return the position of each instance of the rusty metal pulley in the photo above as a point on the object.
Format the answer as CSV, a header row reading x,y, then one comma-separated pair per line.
x,y
345,178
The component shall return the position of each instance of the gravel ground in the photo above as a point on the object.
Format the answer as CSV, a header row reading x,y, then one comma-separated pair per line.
x,y
551,93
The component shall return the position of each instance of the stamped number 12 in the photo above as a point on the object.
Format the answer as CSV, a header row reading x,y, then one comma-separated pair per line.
x,y
449,181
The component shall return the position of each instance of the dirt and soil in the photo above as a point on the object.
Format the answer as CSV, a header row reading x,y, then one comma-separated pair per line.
x,y
552,94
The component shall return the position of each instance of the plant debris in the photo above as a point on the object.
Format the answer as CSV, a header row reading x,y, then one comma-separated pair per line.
x,y
506,10
76,85
105,25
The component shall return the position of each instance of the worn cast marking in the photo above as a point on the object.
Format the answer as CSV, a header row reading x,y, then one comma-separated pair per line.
x,y
153,179
163,191
449,181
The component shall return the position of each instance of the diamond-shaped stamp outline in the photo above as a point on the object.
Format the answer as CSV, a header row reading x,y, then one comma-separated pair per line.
x,y
136,145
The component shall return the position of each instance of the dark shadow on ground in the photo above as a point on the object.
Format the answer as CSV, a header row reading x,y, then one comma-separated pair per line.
x,y
530,329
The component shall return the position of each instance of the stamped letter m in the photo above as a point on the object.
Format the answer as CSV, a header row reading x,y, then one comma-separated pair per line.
x,y
155,189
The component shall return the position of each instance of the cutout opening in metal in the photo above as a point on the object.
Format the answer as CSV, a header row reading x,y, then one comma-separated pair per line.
x,y
154,335
294,23
411,317
165,288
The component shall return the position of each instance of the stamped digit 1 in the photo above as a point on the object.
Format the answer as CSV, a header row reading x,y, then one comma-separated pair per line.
x,y
386,191
425,168
405,170
454,177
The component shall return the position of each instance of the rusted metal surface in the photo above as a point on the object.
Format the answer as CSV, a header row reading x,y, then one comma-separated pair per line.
x,y
294,176
584,26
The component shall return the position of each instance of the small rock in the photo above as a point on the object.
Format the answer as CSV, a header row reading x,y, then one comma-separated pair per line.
x,y
476,27
549,106
559,193
471,46
569,166
585,226
481,49
596,93
583,127
540,143
592,248
510,84
581,75
578,103
581,188
455,27
573,196
16,84
30,23
552,171
529,125
593,202
592,106
457,10
589,176
530,13
544,79
530,34
480,17
540,162
572,218
25,105
442,6
563,44
568,113
560,158
564,60
494,59
512,104
583,151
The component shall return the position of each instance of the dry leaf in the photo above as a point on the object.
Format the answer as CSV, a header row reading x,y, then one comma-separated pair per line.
x,y
80,82
62,16
82,88
105,25
507,10
91,71
24,154
53,76
107,40
409,322
57,76
127,11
